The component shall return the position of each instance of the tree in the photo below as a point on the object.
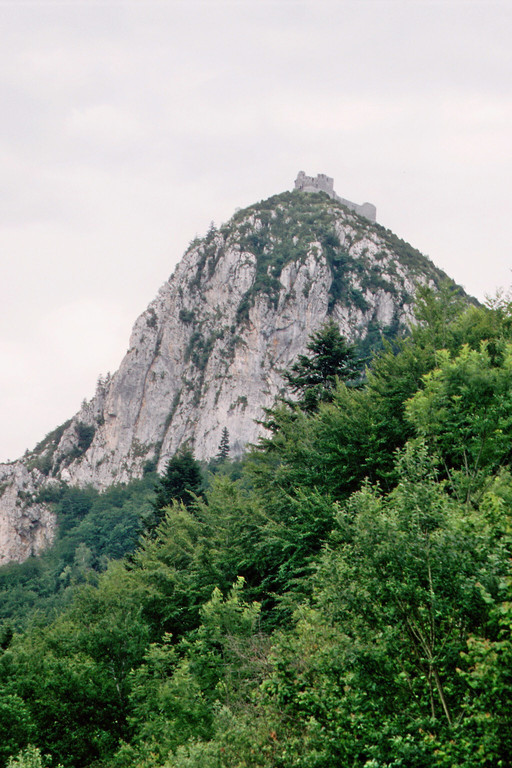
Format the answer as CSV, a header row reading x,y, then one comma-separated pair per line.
x,y
223,453
30,757
314,377
485,740
181,481
371,673
64,687
16,726
464,413
177,689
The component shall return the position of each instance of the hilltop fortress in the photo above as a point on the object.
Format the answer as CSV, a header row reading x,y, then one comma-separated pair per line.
x,y
323,183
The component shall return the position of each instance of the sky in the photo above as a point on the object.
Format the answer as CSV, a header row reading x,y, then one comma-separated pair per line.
x,y
128,127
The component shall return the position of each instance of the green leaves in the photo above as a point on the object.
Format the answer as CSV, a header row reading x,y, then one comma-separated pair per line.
x,y
16,725
30,757
176,690
313,377
72,676
465,414
343,602
404,581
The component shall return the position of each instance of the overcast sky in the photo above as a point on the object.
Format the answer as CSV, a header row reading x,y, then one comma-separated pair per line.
x,y
127,127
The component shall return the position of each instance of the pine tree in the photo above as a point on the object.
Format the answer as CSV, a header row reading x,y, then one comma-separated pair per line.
x,y
313,377
223,453
181,481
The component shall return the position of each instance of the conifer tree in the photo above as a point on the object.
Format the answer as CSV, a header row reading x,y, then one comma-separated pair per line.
x,y
181,481
313,377
223,453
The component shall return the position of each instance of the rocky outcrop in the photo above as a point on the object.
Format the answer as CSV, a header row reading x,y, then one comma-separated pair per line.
x,y
209,351
26,526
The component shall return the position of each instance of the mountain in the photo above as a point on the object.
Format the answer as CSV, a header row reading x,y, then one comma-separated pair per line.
x,y
208,352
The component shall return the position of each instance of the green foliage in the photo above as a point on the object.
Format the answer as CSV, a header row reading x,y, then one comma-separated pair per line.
x,y
186,315
16,725
370,673
181,481
465,411
340,597
175,690
415,569
85,435
313,377
72,676
42,456
485,735
93,529
164,572
29,758
52,438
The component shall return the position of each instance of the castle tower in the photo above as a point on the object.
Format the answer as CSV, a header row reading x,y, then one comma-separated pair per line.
x,y
323,183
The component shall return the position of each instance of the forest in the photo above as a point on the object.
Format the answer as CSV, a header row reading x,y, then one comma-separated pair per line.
x,y
340,597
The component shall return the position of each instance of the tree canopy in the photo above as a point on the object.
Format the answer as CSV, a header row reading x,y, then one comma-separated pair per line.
x,y
344,600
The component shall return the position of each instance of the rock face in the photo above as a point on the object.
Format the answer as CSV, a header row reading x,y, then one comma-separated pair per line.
x,y
208,352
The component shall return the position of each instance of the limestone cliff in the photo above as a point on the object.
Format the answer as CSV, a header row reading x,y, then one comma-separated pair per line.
x,y
208,352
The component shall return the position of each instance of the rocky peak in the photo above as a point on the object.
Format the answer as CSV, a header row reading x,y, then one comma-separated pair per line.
x,y
208,352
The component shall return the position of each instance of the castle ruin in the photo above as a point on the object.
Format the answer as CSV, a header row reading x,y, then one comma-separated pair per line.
x,y
323,183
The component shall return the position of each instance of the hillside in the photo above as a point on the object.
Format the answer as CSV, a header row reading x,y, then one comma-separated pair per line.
x,y
209,351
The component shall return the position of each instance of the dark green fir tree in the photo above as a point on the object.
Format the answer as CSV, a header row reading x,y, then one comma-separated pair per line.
x,y
181,481
313,377
223,452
